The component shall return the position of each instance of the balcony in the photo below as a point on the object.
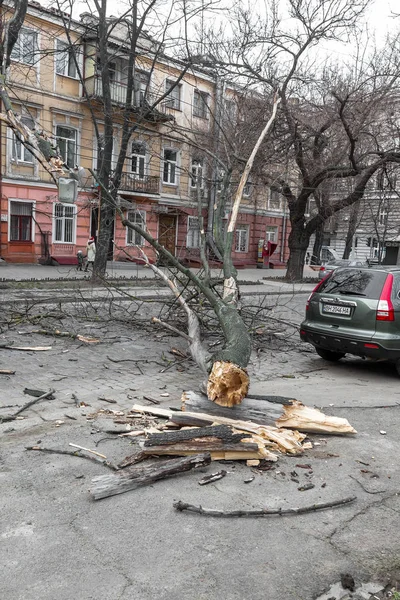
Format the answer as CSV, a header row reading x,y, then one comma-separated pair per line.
x,y
149,184
94,89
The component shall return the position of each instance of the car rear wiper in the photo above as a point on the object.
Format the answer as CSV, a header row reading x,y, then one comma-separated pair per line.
x,y
350,293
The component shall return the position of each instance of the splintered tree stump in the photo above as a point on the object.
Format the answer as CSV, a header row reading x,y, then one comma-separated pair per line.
x,y
227,384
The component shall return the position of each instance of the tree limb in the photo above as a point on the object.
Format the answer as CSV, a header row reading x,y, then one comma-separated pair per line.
x,y
261,512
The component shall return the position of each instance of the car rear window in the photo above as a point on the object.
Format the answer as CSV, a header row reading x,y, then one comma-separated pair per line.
x,y
354,281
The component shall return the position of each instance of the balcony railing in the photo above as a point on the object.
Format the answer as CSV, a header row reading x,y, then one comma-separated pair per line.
x,y
149,184
94,89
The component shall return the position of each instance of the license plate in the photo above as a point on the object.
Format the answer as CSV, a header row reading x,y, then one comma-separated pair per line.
x,y
336,310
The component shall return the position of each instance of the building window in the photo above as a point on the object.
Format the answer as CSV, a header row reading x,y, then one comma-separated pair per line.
x,y
200,104
230,110
25,47
247,189
20,221
193,233
271,234
143,81
64,223
138,217
383,216
67,144
170,166
173,99
65,60
138,159
19,152
242,238
197,173
98,150
274,200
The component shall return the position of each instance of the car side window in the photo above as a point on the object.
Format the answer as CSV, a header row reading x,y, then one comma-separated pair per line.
x,y
396,292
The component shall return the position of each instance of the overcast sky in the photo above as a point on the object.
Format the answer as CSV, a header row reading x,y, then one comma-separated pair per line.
x,y
379,17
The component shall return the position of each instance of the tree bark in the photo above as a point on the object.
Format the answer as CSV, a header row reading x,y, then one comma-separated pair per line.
x,y
298,244
318,241
351,229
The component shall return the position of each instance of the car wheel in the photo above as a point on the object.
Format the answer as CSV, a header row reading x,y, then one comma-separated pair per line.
x,y
329,355
397,365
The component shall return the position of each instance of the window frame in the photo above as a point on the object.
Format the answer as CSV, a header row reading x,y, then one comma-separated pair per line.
x,y
383,216
19,46
270,200
275,233
16,201
242,228
64,219
192,233
131,239
138,158
76,131
15,143
200,106
175,163
196,165
171,101
67,53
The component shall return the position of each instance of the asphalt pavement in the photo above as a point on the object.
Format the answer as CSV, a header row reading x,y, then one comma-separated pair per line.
x,y
57,543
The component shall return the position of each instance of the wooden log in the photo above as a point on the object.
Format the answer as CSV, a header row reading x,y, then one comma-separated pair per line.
x,y
185,419
285,440
246,450
221,432
264,412
288,415
104,486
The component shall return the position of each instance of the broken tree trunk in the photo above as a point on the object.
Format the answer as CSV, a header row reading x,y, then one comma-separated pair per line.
x,y
264,412
104,486
292,415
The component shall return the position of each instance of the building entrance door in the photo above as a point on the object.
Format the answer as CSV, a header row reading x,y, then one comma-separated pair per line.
x,y
167,234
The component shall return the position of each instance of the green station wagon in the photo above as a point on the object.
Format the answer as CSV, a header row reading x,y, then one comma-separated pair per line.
x,y
355,311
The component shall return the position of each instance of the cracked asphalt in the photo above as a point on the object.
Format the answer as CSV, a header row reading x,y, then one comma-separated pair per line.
x,y
58,544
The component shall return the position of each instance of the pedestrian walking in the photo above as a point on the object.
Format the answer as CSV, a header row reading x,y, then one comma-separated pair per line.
x,y
91,253
79,257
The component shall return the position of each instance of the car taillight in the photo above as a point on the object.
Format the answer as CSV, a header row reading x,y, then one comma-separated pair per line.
x,y
385,311
321,269
315,290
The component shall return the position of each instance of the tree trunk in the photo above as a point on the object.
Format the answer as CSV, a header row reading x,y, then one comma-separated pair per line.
x,y
298,244
319,238
106,216
351,229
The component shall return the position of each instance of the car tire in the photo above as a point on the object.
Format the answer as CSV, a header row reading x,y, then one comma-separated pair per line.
x,y
397,365
330,355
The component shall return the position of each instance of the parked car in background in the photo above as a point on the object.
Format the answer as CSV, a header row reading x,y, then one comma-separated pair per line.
x,y
355,310
334,264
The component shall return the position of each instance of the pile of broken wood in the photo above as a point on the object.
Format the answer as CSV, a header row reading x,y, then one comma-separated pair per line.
x,y
259,429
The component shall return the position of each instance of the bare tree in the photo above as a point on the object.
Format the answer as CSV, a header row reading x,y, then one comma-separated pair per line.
x,y
228,380
329,127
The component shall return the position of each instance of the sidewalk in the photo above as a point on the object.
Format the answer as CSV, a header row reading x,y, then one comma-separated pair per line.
x,y
126,270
